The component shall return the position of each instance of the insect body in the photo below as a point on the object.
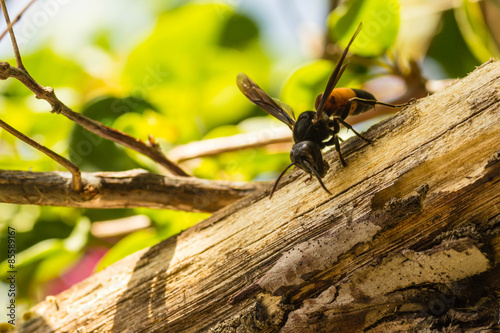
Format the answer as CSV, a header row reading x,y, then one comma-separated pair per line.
x,y
313,131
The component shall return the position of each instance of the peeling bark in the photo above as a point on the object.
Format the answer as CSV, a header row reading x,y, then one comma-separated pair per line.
x,y
409,240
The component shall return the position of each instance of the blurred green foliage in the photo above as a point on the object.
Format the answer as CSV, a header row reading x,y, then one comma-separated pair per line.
x,y
380,20
178,85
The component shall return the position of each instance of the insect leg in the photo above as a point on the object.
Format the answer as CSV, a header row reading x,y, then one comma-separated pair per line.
x,y
337,148
342,121
374,102
334,140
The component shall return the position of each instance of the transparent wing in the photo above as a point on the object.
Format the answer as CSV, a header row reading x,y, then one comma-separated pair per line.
x,y
334,78
257,96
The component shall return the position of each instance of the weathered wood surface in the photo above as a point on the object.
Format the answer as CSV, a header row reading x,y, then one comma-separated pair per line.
x,y
133,188
409,239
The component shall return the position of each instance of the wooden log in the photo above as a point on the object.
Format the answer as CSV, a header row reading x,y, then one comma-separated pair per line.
x,y
409,239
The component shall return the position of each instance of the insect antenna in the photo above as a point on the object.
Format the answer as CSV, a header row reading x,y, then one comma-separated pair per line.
x,y
278,180
317,176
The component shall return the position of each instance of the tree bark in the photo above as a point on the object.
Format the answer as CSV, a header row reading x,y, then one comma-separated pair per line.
x,y
132,188
408,240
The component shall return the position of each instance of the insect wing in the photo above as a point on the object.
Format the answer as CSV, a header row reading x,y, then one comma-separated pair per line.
x,y
287,108
257,96
334,78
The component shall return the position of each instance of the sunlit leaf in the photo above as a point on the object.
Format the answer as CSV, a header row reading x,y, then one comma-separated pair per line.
x,y
476,34
449,38
34,254
94,153
184,70
244,165
414,37
51,70
55,264
79,236
222,131
132,243
380,20
302,88
54,253
171,222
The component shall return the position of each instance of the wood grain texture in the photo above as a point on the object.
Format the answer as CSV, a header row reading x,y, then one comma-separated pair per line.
x,y
133,188
408,239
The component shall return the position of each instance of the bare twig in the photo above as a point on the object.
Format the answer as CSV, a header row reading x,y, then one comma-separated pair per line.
x,y
12,36
211,147
150,149
14,21
133,188
75,171
236,142
120,227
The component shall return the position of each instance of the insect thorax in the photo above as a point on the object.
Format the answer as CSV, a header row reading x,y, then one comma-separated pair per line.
x,y
307,128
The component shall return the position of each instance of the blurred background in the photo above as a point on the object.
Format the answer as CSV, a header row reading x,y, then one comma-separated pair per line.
x,y
168,69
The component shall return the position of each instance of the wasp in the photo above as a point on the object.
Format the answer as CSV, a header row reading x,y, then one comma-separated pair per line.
x,y
315,130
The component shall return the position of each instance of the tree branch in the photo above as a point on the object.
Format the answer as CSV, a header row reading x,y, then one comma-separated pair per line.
x,y
133,188
12,36
150,149
413,220
75,171
236,142
14,21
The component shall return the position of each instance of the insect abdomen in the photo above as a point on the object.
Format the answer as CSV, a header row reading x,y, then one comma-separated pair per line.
x,y
337,101
360,107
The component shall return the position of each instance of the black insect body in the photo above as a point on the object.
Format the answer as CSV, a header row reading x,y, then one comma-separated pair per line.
x,y
313,131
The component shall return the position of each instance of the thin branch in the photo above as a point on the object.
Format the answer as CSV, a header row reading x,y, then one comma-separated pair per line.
x,y
149,149
211,147
236,142
12,36
75,171
14,21
120,227
133,188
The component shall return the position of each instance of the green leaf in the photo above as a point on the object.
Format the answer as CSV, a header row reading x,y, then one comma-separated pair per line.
x,y
188,68
238,31
54,265
132,243
304,86
380,20
171,222
57,254
79,236
34,254
51,70
222,131
450,38
94,153
476,34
